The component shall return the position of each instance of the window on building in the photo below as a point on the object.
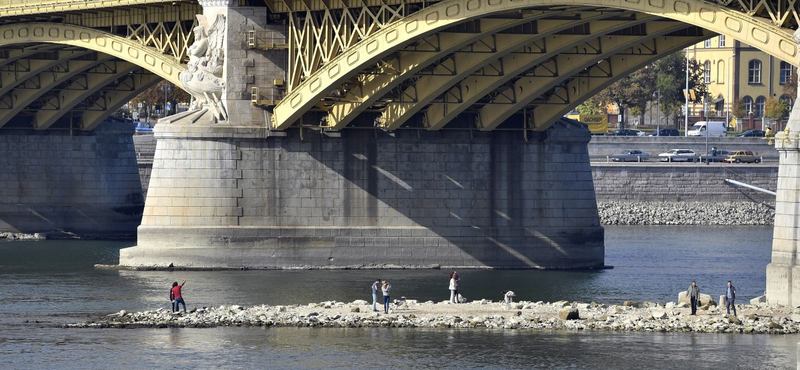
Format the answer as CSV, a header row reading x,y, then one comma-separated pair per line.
x,y
754,77
748,104
707,71
721,71
786,72
722,41
707,43
760,102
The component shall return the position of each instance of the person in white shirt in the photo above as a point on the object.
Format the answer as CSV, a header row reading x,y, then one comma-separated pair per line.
x,y
385,289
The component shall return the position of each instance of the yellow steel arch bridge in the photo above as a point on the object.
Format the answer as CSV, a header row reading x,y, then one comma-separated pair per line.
x,y
388,64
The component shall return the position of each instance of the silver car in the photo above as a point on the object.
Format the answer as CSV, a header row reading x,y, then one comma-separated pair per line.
x,y
633,155
678,155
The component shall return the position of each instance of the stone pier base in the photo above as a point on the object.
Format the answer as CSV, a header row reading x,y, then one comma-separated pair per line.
x,y
232,197
70,184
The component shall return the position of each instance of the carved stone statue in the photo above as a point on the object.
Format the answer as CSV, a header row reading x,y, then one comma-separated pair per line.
x,y
203,76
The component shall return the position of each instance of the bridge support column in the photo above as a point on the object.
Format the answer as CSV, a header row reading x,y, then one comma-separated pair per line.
x,y
783,274
231,197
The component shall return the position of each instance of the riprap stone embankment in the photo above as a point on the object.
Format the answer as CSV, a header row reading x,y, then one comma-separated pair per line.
x,y
685,213
652,317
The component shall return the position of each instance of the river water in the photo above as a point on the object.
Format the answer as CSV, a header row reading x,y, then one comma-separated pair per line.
x,y
51,282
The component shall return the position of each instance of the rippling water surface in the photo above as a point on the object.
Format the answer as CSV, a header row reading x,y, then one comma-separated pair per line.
x,y
45,283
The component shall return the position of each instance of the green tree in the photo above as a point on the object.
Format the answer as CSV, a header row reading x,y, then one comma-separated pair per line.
x,y
631,92
776,109
591,106
154,96
671,81
738,109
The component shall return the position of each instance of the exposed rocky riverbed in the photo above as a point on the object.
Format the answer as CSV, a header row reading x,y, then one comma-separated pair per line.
x,y
685,213
563,315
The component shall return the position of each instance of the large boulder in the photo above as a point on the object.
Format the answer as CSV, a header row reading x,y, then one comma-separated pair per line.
x,y
630,304
705,299
568,314
759,299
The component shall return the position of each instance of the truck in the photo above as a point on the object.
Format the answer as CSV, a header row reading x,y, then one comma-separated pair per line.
x,y
710,128
598,123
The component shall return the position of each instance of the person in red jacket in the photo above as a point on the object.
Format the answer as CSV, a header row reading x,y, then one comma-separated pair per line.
x,y
175,296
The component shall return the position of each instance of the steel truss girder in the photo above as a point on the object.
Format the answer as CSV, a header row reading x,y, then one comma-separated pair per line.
x,y
408,63
527,89
579,89
31,7
781,13
50,33
20,98
77,93
434,18
475,88
113,99
430,87
171,38
9,79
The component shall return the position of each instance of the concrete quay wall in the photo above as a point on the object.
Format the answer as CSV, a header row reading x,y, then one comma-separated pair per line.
x,y
411,199
601,146
79,184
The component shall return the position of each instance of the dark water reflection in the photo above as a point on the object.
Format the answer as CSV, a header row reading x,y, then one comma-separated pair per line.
x,y
54,282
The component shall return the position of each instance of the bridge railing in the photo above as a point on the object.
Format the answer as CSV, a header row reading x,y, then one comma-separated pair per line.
x,y
19,7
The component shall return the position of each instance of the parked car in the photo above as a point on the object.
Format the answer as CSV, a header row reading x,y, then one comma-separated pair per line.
x,y
627,133
678,155
633,155
144,127
666,132
715,155
746,156
752,133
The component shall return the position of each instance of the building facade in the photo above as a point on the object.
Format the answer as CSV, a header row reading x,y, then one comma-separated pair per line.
x,y
734,70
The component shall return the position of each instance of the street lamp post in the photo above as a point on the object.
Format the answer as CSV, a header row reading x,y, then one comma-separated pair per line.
x,y
166,88
686,116
728,100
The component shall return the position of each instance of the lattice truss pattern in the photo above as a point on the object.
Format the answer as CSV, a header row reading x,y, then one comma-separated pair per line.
x,y
540,61
60,86
318,36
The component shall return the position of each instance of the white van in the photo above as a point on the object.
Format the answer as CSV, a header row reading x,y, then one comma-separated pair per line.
x,y
712,128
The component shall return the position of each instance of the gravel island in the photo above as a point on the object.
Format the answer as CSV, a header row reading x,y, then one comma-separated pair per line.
x,y
569,316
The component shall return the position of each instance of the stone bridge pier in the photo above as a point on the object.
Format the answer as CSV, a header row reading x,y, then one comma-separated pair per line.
x,y
227,192
234,198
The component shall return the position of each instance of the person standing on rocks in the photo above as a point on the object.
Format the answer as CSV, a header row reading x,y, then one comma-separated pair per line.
x,y
175,296
454,287
385,289
694,296
730,298
376,289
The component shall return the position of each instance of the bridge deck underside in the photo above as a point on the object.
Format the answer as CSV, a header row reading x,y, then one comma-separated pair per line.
x,y
479,74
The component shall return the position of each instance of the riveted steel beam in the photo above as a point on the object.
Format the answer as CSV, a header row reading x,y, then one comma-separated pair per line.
x,y
427,88
21,97
407,63
327,77
472,89
77,92
52,33
579,89
31,7
410,63
27,68
526,89
115,98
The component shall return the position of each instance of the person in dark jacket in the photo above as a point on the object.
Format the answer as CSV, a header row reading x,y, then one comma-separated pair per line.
x,y
694,295
730,298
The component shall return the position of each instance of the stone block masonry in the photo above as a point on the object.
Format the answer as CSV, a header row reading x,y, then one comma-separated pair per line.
x,y
84,184
230,197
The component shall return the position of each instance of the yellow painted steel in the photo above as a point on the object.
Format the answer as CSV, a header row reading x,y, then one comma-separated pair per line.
x,y
396,113
756,32
407,63
22,97
10,8
75,94
116,98
580,89
53,33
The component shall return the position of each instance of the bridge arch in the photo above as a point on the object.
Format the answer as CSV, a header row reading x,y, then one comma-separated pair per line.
x,y
392,38
159,64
